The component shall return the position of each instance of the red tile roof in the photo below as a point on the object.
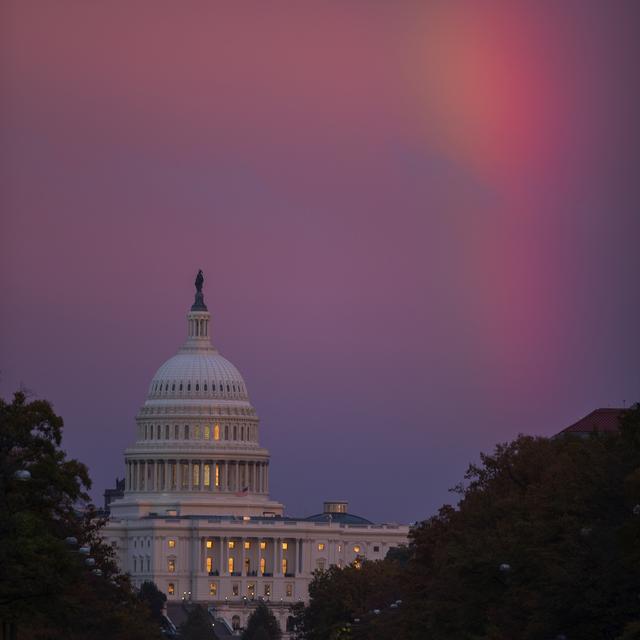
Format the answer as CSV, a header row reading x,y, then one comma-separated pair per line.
x,y
605,420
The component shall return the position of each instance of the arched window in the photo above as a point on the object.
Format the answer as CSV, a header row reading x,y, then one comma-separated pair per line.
x,y
241,433
213,386
181,386
166,387
176,432
197,386
235,432
205,386
207,432
173,387
166,431
186,431
158,432
226,431
188,386
216,431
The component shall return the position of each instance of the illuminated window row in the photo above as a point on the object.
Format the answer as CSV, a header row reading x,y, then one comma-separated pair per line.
x,y
238,432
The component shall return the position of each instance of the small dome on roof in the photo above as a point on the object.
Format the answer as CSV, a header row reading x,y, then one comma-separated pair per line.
x,y
340,518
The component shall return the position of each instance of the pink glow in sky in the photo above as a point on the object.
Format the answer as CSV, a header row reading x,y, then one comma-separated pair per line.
x,y
417,221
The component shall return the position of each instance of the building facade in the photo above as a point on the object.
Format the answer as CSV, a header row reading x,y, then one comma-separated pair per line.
x,y
196,516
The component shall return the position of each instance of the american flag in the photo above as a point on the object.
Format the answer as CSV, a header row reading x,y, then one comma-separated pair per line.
x,y
243,493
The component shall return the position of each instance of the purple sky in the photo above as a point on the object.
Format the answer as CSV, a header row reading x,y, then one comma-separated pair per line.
x,y
418,224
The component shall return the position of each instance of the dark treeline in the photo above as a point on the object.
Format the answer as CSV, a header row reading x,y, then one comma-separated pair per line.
x,y
544,544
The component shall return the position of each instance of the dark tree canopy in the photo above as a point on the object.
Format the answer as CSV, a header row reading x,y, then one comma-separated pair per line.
x,y
198,625
544,543
262,625
153,598
46,588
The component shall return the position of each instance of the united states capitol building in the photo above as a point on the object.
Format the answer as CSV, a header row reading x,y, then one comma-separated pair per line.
x,y
196,516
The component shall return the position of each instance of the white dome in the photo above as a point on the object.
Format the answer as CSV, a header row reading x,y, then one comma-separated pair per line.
x,y
198,375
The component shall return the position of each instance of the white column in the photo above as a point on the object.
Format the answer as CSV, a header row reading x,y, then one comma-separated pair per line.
x,y
225,557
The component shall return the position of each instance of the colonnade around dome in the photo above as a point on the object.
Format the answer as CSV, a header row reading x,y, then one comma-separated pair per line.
x,y
179,474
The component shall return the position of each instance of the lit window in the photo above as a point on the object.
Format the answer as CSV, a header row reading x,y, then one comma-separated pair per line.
x,y
289,590
357,563
356,548
196,475
217,475
321,546
247,544
207,432
171,589
284,565
172,544
216,432
196,432
213,588
232,544
263,566
339,547
263,544
235,589
230,562
209,564
209,544
251,589
267,590
171,565
285,545
207,475
320,565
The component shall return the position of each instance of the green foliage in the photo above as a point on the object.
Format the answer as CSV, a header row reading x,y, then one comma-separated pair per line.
x,y
340,596
262,625
153,598
198,625
46,589
544,542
